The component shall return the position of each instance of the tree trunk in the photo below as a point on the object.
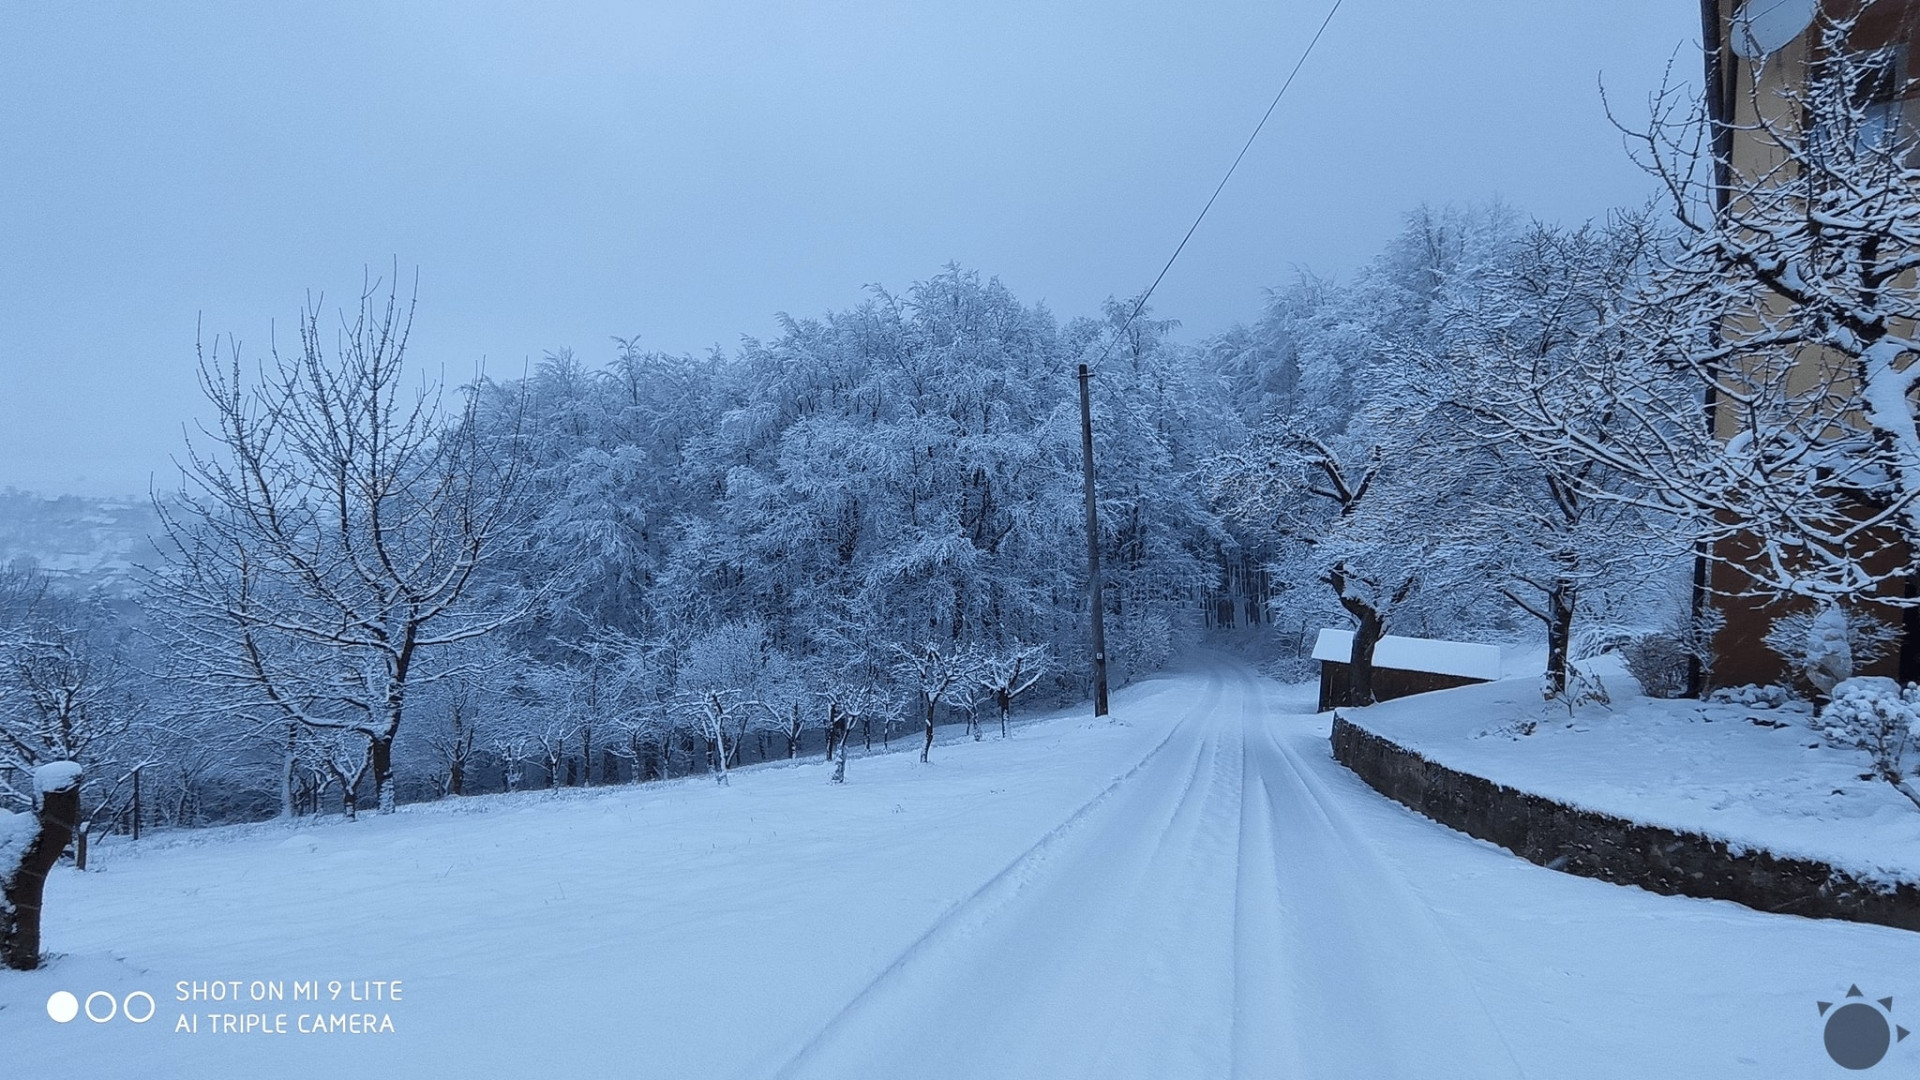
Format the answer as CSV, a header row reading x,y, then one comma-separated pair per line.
x,y
1360,671
927,746
1560,606
833,728
287,808
1005,701
461,746
20,894
382,750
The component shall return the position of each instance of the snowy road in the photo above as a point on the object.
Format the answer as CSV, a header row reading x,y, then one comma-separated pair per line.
x,y
1195,891
1214,913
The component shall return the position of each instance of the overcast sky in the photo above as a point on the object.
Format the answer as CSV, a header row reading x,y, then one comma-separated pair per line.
x,y
683,170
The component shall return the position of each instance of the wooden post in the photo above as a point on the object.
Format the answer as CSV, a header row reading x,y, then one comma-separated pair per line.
x,y
1094,598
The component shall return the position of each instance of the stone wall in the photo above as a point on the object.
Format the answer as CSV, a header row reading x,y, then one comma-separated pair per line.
x,y
1597,845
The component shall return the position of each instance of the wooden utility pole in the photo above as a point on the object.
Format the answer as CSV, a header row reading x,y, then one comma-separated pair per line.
x,y
1094,598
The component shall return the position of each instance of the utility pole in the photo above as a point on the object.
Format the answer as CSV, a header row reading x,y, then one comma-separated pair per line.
x,y
1093,552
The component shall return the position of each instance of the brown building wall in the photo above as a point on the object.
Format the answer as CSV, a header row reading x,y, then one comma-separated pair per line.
x,y
1388,683
1740,653
1751,94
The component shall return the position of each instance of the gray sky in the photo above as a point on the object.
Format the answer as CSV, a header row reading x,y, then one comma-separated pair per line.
x,y
684,169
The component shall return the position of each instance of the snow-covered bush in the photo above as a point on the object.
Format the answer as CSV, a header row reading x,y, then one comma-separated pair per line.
x,y
1878,716
1752,696
1827,645
1660,662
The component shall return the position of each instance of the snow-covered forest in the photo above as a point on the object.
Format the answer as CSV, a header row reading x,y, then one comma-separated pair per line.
x,y
637,565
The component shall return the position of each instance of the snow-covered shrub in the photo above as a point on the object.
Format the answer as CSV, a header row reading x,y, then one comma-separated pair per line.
x,y
1660,662
1583,688
1878,716
1752,696
1827,645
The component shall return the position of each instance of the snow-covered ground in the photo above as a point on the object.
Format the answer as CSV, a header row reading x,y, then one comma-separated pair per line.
x,y
1754,775
1195,891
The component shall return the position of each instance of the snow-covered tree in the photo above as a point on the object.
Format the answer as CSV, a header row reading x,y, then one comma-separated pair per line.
x,y
333,530
1556,529
721,685
1359,484
1010,671
68,689
1786,303
936,675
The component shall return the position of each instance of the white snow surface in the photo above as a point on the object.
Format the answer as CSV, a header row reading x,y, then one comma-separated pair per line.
x,y
1461,658
1195,890
56,776
1757,777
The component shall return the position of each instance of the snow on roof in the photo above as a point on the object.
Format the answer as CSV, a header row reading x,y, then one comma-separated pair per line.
x,y
1462,658
1459,658
1334,645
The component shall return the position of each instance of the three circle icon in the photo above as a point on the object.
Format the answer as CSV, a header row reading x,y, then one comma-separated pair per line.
x,y
101,1006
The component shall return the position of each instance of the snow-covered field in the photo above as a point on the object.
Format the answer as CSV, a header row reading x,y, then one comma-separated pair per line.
x,y
1751,774
1195,891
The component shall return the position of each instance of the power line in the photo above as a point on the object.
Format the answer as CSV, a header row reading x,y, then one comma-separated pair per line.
x,y
1297,65
1095,602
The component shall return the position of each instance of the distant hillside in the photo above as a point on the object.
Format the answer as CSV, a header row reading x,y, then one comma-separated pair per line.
x,y
79,542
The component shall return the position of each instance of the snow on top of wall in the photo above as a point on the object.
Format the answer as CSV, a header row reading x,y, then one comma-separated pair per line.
x,y
56,776
1459,658
1753,774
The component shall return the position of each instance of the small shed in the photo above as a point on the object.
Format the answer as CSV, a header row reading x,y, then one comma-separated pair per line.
x,y
1402,666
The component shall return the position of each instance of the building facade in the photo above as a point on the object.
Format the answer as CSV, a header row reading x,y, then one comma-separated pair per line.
x,y
1759,55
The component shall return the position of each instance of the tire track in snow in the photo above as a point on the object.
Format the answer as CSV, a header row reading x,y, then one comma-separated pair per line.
x,y
1385,993
1262,1042
997,891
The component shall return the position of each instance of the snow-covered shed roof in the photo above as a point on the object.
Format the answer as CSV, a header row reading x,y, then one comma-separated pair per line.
x,y
1458,658
1334,645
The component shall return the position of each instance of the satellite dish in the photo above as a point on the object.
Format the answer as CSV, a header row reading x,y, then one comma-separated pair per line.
x,y
1764,27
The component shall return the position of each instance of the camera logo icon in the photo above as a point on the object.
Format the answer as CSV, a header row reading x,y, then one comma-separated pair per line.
x,y
1859,1032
